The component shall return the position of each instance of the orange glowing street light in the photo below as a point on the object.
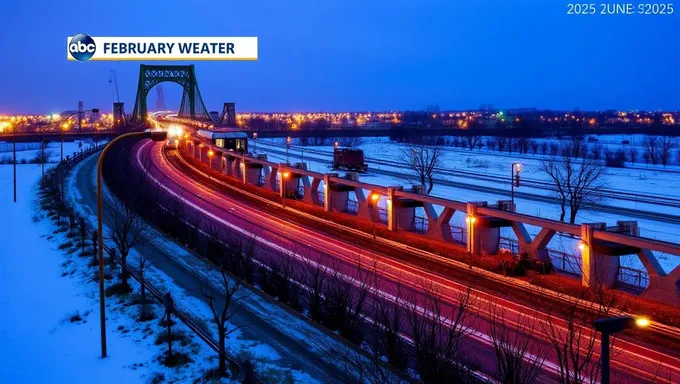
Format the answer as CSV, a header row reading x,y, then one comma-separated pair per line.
x,y
611,325
210,155
284,176
374,199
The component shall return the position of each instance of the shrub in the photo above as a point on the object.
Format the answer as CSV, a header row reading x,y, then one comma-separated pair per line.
x,y
157,378
74,317
177,359
177,336
118,289
615,159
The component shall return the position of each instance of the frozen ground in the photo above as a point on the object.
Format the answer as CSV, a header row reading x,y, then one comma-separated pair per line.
x,y
43,288
640,180
28,151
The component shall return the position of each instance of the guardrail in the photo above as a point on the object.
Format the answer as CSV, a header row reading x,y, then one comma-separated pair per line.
x,y
58,184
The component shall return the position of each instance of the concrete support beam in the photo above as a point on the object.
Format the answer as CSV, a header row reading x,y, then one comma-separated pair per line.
x,y
364,209
312,190
536,248
664,288
438,225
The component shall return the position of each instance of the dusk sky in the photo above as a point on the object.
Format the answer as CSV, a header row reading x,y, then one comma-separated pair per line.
x,y
354,55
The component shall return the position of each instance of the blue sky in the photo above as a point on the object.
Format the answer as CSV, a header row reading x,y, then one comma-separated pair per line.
x,y
355,55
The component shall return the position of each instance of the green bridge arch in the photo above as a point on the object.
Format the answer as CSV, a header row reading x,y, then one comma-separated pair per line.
x,y
192,105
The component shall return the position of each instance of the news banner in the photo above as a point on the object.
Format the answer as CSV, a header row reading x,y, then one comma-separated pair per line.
x,y
82,47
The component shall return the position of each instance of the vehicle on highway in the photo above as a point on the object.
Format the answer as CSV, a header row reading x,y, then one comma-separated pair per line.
x,y
226,138
350,159
171,144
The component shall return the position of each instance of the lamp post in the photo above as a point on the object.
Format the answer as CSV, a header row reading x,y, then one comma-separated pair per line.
x,y
255,139
42,160
210,155
64,127
155,136
284,176
515,169
14,154
287,147
608,326
374,200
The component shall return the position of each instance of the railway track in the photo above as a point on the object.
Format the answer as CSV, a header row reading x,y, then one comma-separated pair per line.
x,y
605,193
662,217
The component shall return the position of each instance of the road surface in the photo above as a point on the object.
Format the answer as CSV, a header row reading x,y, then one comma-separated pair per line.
x,y
211,198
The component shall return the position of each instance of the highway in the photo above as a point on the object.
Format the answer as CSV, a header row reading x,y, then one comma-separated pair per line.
x,y
279,234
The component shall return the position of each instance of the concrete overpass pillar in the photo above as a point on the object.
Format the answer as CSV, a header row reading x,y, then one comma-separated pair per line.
x,y
481,238
596,269
391,216
326,193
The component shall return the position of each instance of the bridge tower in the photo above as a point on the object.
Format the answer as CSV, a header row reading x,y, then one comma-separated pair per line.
x,y
160,99
118,116
228,115
192,105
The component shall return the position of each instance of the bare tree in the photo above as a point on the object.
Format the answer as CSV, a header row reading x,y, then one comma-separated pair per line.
x,y
143,264
544,147
315,278
503,142
220,289
390,317
575,182
471,141
518,361
346,300
596,151
666,146
534,146
127,230
437,333
632,155
423,159
573,339
651,147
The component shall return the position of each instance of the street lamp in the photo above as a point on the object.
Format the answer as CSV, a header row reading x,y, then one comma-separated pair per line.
x,y
608,326
153,135
374,201
516,168
255,139
210,155
284,176
287,147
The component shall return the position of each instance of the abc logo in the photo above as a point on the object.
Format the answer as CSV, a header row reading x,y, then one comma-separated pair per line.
x,y
81,47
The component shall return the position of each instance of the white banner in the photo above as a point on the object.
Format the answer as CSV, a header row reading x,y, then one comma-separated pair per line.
x,y
83,48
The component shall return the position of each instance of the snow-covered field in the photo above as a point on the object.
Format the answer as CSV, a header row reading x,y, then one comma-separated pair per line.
x,y
654,180
29,151
49,329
